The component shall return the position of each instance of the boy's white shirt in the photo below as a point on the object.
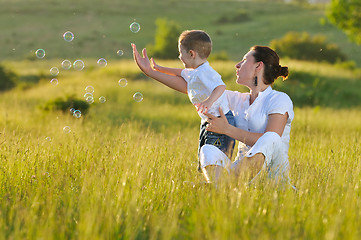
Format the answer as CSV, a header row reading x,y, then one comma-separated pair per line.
x,y
200,84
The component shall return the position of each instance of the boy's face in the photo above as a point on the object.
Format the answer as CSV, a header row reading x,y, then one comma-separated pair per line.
x,y
185,56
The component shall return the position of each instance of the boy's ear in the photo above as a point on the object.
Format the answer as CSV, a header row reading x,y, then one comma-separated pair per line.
x,y
192,53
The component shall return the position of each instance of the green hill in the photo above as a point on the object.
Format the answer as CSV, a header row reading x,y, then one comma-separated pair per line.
x,y
102,27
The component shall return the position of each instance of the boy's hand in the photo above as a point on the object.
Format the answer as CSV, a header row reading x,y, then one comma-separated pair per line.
x,y
203,107
142,62
155,66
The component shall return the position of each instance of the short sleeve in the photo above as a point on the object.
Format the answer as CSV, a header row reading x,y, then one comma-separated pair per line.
x,y
186,74
210,79
281,103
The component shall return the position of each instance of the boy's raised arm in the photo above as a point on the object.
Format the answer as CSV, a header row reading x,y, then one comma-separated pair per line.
x,y
204,106
167,70
174,82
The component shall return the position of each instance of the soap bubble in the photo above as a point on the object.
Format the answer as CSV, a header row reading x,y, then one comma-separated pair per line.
x,y
78,65
134,27
89,99
88,95
40,53
54,71
48,139
77,113
123,82
68,36
89,89
66,64
138,97
72,110
102,99
120,52
102,62
54,81
66,129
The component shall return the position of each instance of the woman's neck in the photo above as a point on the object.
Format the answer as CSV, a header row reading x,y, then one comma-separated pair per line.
x,y
255,90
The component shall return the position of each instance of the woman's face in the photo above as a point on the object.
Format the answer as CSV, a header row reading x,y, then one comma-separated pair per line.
x,y
245,69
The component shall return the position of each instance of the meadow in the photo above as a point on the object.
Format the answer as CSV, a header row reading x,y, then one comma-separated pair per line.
x,y
124,169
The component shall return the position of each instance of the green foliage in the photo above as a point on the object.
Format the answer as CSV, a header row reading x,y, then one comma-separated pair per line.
x,y
346,15
166,40
64,104
234,17
304,47
7,78
322,84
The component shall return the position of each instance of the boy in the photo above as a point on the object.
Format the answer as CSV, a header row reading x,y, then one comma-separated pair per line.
x,y
204,85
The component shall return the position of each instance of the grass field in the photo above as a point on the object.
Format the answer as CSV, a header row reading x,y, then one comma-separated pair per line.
x,y
120,172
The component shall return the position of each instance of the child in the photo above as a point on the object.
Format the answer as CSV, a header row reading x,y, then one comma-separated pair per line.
x,y
203,84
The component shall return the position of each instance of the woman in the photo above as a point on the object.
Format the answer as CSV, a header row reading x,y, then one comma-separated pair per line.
x,y
263,118
263,121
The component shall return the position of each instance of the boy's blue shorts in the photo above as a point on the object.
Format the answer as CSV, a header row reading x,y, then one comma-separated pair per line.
x,y
221,141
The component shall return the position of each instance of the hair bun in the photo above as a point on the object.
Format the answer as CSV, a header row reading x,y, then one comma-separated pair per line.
x,y
283,72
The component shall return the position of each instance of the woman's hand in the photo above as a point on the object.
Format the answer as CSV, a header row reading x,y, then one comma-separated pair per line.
x,y
142,62
217,124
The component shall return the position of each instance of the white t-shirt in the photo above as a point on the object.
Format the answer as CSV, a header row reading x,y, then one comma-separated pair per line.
x,y
254,117
200,84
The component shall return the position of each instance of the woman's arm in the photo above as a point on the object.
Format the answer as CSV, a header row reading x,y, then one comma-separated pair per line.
x,y
175,82
276,123
167,70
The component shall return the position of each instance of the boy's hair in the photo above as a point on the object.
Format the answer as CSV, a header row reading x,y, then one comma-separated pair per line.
x,y
196,40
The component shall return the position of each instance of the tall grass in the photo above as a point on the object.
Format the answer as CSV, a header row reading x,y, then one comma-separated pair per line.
x,y
123,171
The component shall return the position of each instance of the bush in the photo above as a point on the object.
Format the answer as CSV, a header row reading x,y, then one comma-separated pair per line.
x,y
65,104
346,15
166,40
304,47
7,79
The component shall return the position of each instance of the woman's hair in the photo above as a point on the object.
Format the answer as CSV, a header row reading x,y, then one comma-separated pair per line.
x,y
271,61
196,40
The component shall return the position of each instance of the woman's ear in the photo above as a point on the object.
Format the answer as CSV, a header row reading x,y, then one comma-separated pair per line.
x,y
259,65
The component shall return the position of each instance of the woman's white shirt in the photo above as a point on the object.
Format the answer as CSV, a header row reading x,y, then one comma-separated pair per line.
x,y
254,117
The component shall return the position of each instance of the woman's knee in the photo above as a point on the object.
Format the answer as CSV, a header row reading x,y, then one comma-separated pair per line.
x,y
269,144
271,137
